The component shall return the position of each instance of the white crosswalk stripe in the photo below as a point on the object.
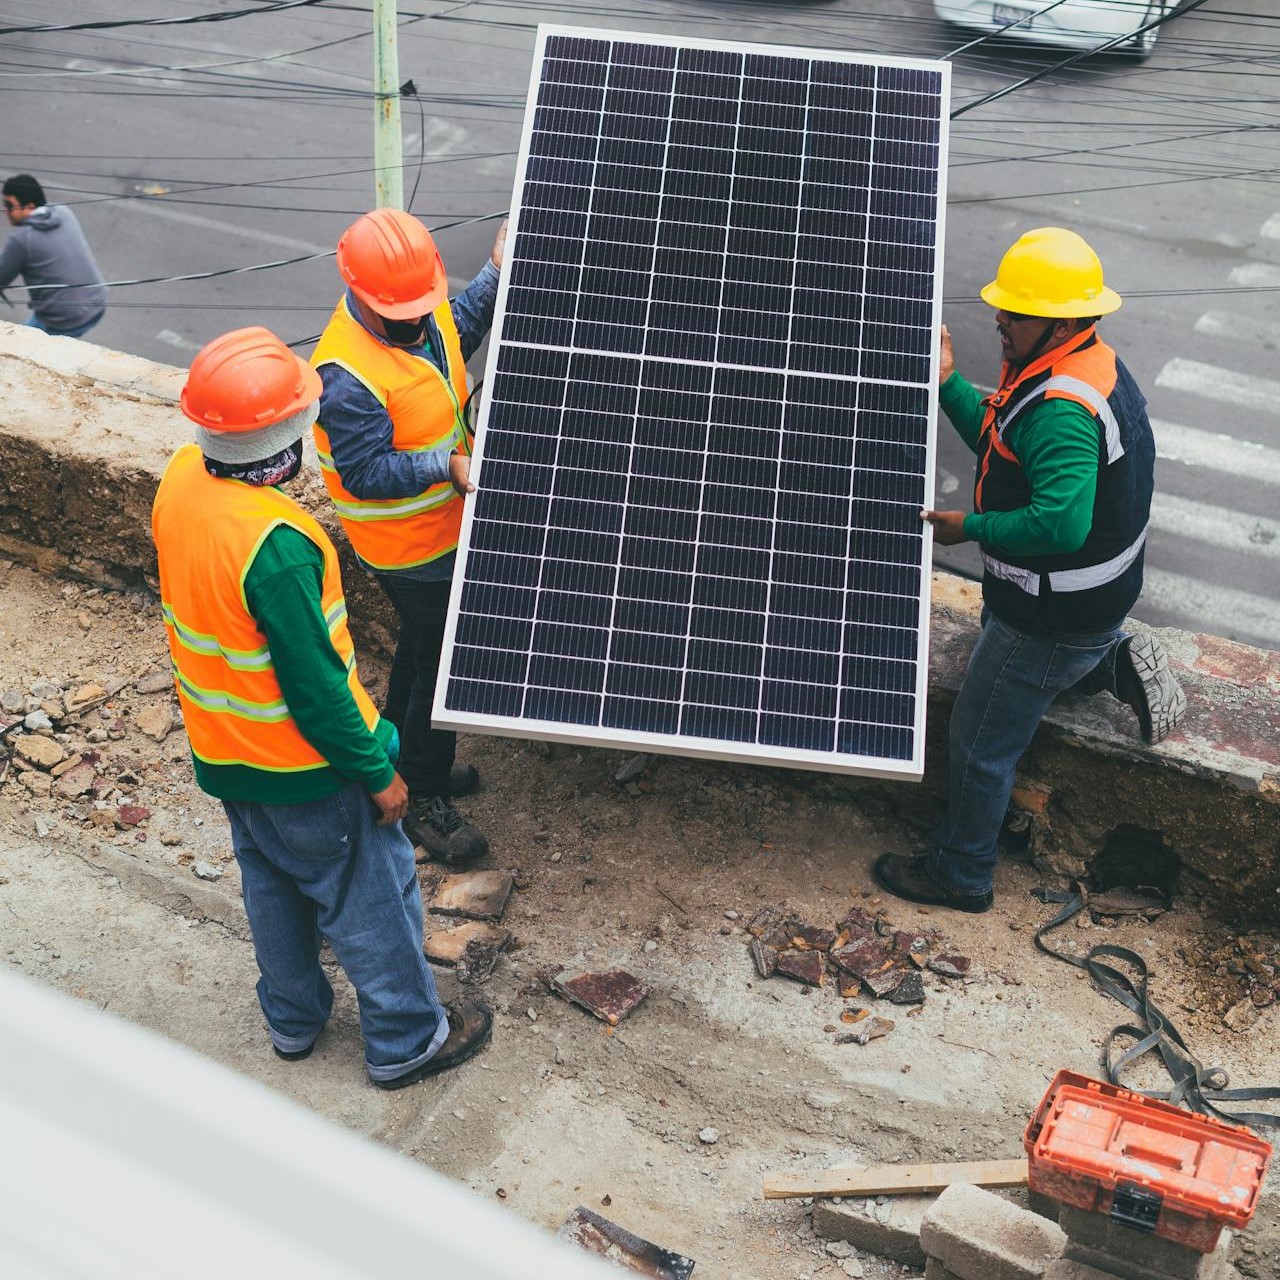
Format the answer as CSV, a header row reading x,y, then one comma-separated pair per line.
x,y
1254,617
1210,381
1216,526
1256,275
1222,324
1216,452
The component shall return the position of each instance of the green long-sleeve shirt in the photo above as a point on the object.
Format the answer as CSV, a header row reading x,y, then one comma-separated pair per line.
x,y
283,588
1057,444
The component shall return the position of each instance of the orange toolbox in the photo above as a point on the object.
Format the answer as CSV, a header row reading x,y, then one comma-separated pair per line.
x,y
1146,1164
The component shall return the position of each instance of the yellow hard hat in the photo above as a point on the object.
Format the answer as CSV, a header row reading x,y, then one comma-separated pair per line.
x,y
1051,272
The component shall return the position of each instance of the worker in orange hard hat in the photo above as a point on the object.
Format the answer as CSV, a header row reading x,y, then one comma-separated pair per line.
x,y
394,447
281,729
1061,501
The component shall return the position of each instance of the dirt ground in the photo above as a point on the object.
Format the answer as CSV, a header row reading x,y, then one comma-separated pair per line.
x,y
106,894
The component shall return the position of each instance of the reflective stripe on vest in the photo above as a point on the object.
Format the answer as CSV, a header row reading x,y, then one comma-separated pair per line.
x,y
208,533
425,408
1064,580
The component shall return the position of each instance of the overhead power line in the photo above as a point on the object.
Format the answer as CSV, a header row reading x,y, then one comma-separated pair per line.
x,y
105,25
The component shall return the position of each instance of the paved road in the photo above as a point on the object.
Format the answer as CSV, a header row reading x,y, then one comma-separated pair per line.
x,y
263,155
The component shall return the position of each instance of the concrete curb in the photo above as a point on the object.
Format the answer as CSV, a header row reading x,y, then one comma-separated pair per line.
x,y
85,434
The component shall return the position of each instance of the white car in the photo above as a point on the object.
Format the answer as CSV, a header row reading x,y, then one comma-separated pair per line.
x,y
1076,24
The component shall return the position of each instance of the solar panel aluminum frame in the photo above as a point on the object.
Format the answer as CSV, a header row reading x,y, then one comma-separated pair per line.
x,y
443,716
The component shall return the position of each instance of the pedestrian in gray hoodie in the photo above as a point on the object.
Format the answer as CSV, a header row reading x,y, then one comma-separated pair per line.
x,y
47,247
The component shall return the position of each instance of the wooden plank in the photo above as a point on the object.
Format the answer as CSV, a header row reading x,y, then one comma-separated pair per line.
x,y
896,1179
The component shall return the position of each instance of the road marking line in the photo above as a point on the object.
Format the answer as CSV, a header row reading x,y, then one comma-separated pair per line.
x,y
1216,452
226,228
1238,615
1224,324
1216,526
947,483
1225,385
177,340
1256,275
1271,228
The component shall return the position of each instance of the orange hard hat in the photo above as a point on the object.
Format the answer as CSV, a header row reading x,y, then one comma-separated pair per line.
x,y
392,264
245,380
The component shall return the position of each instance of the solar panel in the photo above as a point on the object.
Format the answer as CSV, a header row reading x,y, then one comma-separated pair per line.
x,y
707,427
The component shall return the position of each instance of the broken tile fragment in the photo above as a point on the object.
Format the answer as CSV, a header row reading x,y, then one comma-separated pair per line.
x,y
950,966
910,990
862,957
76,781
901,983
808,937
609,996
155,720
43,753
851,1016
85,696
479,895
809,967
914,946
478,961
130,815
857,924
764,921
446,946
871,1029
766,958
597,1235
155,682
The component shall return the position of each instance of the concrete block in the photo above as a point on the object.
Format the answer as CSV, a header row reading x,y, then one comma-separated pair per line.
x,y
979,1236
934,1270
1137,1255
1211,1266
891,1230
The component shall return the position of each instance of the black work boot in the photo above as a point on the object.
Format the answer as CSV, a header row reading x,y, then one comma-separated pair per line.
x,y
444,833
1144,681
909,878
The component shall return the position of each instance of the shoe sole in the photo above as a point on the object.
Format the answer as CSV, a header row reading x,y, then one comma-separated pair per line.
x,y
1166,703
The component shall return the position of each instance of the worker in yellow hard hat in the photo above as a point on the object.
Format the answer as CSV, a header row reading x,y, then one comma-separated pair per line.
x,y
1060,508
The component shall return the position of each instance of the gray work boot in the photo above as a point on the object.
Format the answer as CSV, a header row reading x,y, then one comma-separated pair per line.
x,y
444,833
1144,681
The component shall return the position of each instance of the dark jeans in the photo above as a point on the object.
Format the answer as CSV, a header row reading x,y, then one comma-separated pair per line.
x,y
1011,680
426,754
326,867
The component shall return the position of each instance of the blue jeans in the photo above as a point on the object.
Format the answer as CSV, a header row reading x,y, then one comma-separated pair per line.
x,y
1011,680
326,868
34,322
426,753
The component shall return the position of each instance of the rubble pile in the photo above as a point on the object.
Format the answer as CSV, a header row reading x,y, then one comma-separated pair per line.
x,y
1241,979
67,744
864,954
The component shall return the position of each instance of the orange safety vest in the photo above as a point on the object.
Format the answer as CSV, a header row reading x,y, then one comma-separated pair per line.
x,y
207,533
425,408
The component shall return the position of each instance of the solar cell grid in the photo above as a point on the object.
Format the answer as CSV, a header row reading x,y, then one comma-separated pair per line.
x,y
706,432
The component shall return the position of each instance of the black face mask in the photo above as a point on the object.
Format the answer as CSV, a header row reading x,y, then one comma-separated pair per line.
x,y
406,333
280,468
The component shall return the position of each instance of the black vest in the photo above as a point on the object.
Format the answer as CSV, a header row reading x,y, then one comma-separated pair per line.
x,y
1091,589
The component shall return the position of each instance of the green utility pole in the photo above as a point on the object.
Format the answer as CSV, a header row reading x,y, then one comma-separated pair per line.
x,y
388,171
